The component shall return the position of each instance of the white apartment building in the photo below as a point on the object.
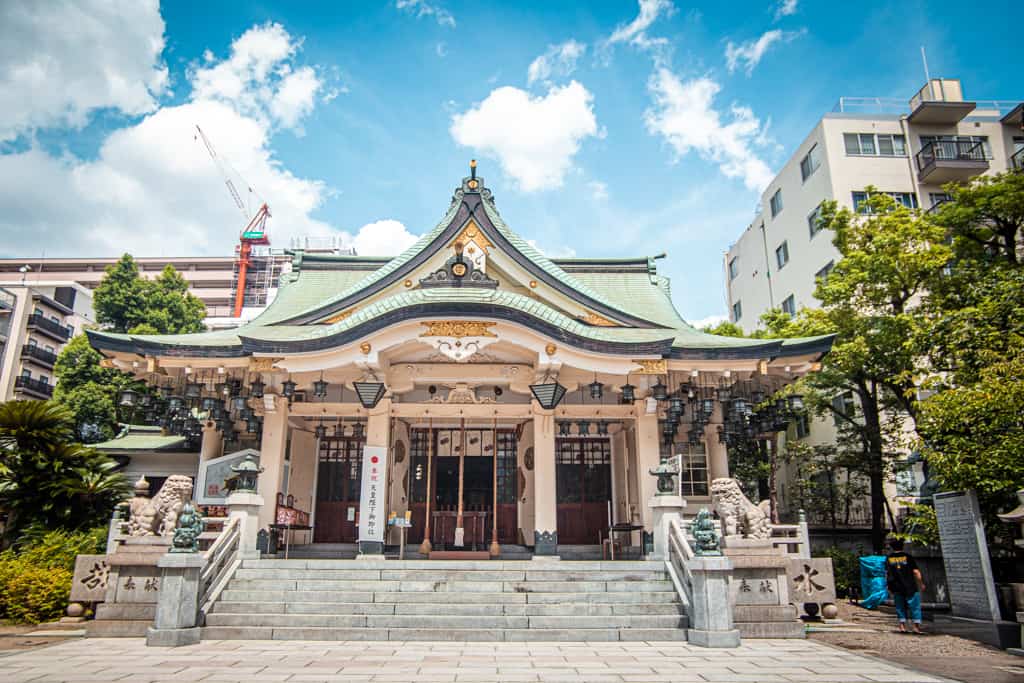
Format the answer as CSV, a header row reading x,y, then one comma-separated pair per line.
x,y
909,152
906,151
36,321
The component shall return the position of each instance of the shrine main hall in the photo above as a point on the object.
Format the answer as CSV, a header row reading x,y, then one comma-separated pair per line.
x,y
491,395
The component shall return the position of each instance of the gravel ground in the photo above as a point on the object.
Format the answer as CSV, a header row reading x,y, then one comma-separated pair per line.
x,y
871,632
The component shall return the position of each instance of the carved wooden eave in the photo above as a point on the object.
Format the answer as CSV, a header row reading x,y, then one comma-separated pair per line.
x,y
457,328
472,233
655,366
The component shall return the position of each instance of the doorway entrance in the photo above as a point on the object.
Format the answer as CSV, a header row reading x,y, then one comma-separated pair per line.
x,y
339,481
483,449
584,489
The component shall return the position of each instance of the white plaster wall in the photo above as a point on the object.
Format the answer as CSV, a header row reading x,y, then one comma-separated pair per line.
x,y
302,470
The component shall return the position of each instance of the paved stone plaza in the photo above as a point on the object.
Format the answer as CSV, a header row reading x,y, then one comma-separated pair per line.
x,y
128,659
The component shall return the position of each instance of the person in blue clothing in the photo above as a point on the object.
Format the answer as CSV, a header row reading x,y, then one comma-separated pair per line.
x,y
906,585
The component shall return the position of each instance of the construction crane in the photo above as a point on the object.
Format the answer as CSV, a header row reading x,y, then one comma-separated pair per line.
x,y
255,230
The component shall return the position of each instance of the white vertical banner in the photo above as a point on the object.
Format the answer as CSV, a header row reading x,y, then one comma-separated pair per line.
x,y
372,514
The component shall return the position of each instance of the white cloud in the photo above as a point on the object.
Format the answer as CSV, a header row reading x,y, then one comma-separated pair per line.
x,y
61,61
709,321
748,55
258,79
382,238
598,190
421,8
153,190
559,61
635,32
534,138
785,8
441,48
684,114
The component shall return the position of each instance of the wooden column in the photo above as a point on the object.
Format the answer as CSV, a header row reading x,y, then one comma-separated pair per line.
x,y
426,546
545,535
272,448
648,456
495,548
459,529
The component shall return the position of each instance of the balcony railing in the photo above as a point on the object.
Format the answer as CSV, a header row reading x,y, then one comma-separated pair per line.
x,y
34,386
33,353
1017,160
949,150
53,328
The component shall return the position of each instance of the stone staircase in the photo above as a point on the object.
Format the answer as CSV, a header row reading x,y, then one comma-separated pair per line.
x,y
499,600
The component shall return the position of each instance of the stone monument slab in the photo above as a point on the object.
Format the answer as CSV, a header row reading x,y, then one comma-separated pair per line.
x,y
811,580
972,590
89,583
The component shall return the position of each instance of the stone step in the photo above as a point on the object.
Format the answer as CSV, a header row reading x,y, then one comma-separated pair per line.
x,y
232,594
772,629
484,565
467,635
444,608
442,622
447,575
449,586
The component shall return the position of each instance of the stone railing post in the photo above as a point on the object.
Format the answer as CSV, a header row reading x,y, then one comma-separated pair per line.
x,y
711,623
177,607
664,509
246,506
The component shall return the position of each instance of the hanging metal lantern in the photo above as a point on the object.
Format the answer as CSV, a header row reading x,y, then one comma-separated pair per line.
x,y
757,396
739,405
596,389
583,427
659,392
193,389
369,393
129,398
320,388
238,404
223,389
245,413
165,390
339,429
668,428
780,405
146,400
358,430
676,405
693,437
548,394
208,403
288,388
628,393
708,406
602,428
723,394
252,425
256,388
320,431
565,429
796,402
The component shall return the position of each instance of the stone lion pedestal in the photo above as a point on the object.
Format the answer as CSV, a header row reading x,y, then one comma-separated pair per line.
x,y
760,589
133,585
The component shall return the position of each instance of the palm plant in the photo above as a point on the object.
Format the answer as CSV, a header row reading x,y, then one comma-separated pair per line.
x,y
48,480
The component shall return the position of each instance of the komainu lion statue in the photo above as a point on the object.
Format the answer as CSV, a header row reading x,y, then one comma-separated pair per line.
x,y
739,516
160,515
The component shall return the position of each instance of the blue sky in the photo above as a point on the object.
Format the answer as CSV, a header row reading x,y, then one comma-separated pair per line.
x,y
604,129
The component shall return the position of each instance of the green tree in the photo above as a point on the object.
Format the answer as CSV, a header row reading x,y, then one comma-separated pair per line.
x,y
987,216
725,329
47,480
127,303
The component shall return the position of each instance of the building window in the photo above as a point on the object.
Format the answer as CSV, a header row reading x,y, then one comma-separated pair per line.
x,y
737,311
693,470
939,198
31,342
802,426
843,405
776,203
27,374
49,348
734,268
814,225
782,254
44,379
789,306
810,163
870,145
824,272
907,199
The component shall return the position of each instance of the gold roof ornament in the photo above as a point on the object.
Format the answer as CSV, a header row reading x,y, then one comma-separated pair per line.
x,y
473,233
457,328
597,320
338,317
652,366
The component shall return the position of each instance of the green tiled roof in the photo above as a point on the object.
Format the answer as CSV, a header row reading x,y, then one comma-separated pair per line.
x,y
141,438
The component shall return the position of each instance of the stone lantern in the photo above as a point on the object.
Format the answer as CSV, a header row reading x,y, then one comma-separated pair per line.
x,y
246,474
1016,516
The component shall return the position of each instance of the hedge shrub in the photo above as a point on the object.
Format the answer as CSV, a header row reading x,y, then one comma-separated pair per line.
x,y
35,577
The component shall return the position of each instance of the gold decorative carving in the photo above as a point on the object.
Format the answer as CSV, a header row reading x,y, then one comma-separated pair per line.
x,y
457,328
550,349
597,320
408,283
365,348
107,363
654,366
262,364
152,364
474,233
338,317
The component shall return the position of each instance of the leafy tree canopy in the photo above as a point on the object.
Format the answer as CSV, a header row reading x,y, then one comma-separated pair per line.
x,y
126,302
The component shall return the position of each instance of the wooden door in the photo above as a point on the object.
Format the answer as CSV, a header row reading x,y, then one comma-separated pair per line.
x,y
339,479
584,488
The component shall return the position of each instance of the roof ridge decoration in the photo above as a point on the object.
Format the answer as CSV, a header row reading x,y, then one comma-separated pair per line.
x,y
472,205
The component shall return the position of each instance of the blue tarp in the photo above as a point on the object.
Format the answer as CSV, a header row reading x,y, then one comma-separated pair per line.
x,y
872,581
